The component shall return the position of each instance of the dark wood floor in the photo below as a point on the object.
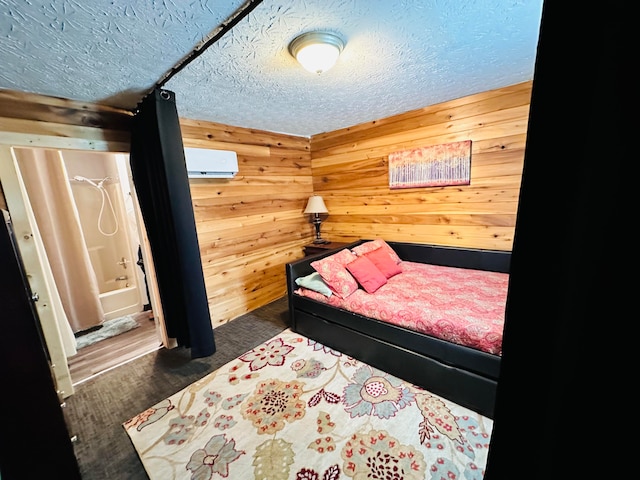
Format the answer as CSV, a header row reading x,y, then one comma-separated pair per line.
x,y
102,356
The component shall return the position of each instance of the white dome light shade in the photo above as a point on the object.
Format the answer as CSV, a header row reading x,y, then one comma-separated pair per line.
x,y
317,52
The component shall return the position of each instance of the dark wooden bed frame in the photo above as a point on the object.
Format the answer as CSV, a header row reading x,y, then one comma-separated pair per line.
x,y
463,375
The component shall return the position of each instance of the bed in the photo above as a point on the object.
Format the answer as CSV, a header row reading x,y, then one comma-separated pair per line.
x,y
451,366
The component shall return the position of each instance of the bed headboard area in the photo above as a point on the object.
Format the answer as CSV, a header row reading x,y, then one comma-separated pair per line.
x,y
490,260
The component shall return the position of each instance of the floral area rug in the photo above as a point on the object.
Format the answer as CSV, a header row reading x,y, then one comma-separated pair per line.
x,y
294,409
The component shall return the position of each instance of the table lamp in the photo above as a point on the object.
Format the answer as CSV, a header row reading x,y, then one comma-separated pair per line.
x,y
316,206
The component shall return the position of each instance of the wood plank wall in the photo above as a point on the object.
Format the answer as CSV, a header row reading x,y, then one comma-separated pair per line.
x,y
251,225
350,171
248,226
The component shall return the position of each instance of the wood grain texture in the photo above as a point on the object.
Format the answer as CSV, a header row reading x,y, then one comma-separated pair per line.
x,y
350,170
28,106
251,225
109,353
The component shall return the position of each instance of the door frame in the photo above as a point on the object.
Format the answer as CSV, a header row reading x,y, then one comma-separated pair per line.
x,y
29,242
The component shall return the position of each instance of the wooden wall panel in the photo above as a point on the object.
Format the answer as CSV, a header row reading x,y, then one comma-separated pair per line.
x,y
35,120
52,110
251,225
350,170
248,226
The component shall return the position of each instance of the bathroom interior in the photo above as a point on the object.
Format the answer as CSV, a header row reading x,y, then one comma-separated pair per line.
x,y
84,210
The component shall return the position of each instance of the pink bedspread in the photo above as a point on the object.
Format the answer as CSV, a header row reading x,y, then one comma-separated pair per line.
x,y
459,305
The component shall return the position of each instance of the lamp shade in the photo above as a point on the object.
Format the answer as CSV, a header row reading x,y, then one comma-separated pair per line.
x,y
316,205
317,52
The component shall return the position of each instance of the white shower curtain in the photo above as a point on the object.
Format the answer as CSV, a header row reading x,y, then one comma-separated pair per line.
x,y
47,185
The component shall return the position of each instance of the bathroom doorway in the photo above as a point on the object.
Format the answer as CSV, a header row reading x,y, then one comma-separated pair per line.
x,y
86,216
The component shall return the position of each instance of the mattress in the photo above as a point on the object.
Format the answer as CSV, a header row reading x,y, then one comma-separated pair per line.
x,y
459,305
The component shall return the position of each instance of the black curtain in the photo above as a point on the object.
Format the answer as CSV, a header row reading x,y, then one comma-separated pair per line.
x,y
565,381
161,182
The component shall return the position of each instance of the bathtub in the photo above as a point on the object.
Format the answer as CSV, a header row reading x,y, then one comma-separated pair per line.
x,y
121,302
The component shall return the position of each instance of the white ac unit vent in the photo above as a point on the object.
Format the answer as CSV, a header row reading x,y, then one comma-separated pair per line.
x,y
205,163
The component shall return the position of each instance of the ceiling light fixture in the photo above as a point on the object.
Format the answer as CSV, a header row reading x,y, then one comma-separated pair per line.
x,y
316,51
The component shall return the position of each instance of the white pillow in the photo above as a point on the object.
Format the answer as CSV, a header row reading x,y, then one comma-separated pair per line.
x,y
314,282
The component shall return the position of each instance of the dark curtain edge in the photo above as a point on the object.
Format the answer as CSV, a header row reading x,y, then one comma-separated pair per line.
x,y
161,181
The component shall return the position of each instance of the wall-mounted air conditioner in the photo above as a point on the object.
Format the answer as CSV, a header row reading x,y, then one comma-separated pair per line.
x,y
205,163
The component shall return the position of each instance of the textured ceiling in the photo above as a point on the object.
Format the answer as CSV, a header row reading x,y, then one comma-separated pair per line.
x,y
399,55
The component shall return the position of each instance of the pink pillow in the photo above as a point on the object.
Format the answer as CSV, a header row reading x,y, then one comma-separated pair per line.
x,y
333,272
383,261
367,247
367,274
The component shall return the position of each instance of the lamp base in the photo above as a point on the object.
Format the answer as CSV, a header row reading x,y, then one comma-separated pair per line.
x,y
316,223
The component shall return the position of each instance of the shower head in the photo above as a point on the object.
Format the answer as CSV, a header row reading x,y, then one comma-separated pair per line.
x,y
79,178
101,182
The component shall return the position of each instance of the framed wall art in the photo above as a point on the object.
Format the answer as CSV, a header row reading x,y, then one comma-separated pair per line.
x,y
433,166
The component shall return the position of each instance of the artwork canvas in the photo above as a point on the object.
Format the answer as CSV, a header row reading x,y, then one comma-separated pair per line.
x,y
433,166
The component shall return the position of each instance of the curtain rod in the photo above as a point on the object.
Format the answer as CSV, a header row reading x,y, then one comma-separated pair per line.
x,y
227,25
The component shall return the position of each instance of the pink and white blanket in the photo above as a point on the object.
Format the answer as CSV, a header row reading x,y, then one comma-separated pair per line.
x,y
459,305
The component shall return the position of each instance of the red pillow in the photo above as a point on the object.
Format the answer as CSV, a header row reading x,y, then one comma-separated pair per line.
x,y
367,274
369,246
382,260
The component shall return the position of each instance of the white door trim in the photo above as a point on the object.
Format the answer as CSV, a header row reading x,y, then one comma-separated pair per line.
x,y
24,226
30,244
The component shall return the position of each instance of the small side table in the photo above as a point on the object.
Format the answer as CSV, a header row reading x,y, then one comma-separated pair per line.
x,y
315,248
